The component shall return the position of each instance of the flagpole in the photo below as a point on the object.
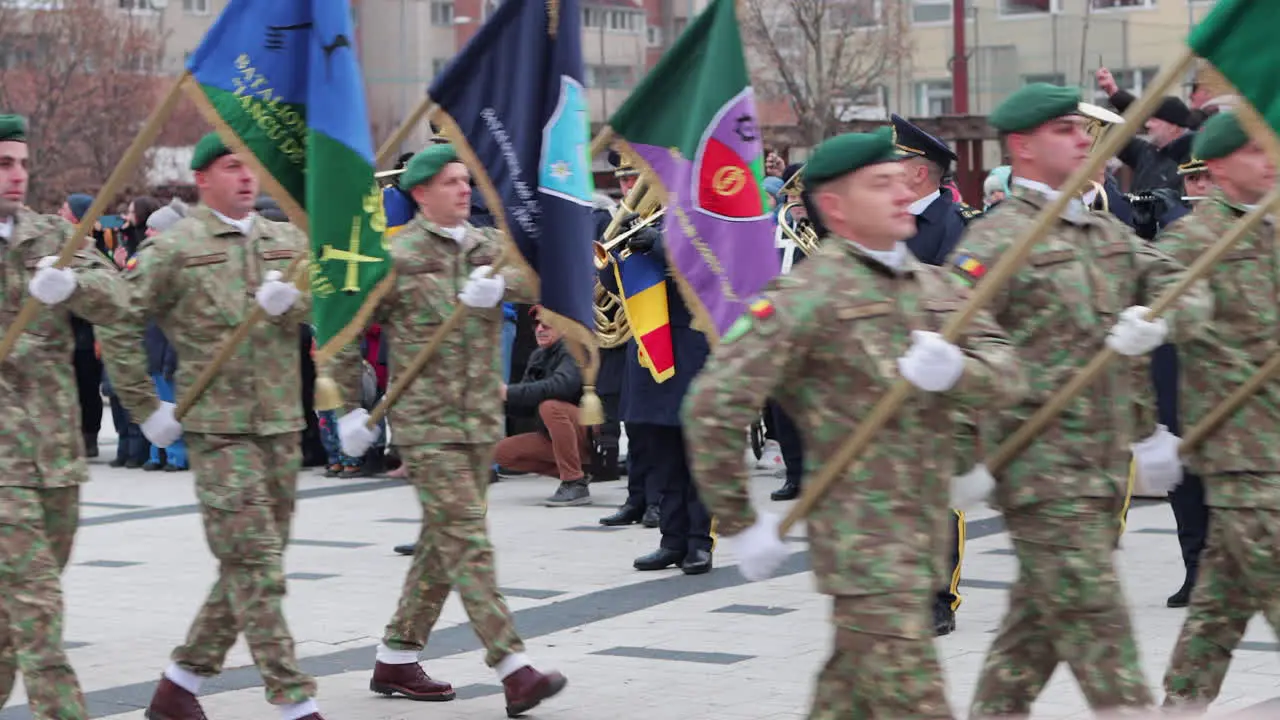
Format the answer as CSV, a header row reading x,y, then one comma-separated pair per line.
x,y
132,156
424,109
296,214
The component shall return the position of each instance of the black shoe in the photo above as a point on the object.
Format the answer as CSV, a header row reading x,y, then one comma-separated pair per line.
x,y
134,464
91,446
1182,598
406,549
944,619
626,515
789,491
174,468
697,562
651,517
117,463
494,476
660,559
570,494
152,466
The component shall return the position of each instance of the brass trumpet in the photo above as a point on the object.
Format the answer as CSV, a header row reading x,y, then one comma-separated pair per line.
x,y
645,205
799,232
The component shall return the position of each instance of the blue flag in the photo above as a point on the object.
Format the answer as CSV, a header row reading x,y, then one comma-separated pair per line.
x,y
516,94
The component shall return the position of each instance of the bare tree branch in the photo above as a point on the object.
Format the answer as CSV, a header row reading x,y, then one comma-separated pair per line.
x,y
819,56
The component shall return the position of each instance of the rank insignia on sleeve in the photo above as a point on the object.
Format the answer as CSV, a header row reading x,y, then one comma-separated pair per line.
x,y
969,267
131,264
762,309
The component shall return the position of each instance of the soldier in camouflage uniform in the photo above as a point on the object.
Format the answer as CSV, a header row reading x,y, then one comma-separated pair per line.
x,y
1061,497
198,281
1239,572
826,343
42,456
446,425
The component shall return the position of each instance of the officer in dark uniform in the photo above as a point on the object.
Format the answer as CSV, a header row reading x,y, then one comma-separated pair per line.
x,y
613,362
651,411
784,430
939,224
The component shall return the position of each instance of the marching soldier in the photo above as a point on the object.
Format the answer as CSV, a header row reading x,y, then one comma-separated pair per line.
x,y
198,282
1239,572
1061,497
446,425
826,343
940,222
651,410
42,454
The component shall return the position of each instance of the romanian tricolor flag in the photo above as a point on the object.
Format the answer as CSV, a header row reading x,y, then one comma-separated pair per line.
x,y
398,207
644,299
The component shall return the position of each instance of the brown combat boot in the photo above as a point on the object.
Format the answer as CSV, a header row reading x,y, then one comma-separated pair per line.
x,y
526,687
172,702
408,680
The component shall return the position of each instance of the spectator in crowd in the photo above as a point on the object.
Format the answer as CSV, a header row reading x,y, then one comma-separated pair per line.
x,y
549,390
162,359
995,188
1155,162
87,363
338,463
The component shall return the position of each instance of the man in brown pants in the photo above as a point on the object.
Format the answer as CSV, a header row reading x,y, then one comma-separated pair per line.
x,y
550,389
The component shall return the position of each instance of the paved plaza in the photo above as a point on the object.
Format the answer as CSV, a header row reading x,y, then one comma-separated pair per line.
x,y
652,646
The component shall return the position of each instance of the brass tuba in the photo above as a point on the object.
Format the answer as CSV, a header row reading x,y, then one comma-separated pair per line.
x,y
612,327
799,231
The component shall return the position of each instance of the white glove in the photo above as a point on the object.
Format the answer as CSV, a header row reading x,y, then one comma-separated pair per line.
x,y
51,285
758,548
1134,335
972,489
931,363
353,433
162,429
1158,469
276,296
482,291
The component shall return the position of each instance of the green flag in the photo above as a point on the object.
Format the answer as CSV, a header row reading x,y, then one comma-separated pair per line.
x,y
264,66
693,124
1238,38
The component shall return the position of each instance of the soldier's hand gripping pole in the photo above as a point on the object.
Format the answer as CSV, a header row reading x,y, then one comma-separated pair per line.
x,y
132,156
991,283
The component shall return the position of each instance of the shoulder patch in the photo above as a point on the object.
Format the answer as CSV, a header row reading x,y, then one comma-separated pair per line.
x,y
969,267
740,327
968,212
762,309
131,264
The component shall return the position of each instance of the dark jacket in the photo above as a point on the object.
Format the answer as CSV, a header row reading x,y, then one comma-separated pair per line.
x,y
1123,99
613,361
1155,167
162,359
938,229
551,374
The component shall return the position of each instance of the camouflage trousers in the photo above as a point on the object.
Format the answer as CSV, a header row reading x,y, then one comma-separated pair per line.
x,y
1066,606
1239,577
247,488
453,552
883,664
37,529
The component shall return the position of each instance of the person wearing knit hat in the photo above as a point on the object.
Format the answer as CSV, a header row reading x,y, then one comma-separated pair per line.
x,y
1155,161
1235,466
199,281
1060,498
446,426
41,448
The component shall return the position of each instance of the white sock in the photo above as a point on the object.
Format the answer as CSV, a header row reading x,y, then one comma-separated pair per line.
x,y
510,664
183,678
298,710
396,657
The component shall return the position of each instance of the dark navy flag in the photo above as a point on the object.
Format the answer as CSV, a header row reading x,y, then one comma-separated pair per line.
x,y
515,93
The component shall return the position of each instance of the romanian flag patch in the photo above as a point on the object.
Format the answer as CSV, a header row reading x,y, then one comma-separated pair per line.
x,y
132,263
970,267
762,309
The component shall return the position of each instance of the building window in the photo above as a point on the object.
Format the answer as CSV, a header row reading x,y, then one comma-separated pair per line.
x,y
933,97
1120,4
1051,78
136,5
1134,80
1030,7
196,7
653,35
855,13
612,20
611,77
442,13
931,11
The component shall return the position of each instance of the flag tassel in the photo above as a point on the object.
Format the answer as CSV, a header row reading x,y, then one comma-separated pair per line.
x,y
327,394
591,408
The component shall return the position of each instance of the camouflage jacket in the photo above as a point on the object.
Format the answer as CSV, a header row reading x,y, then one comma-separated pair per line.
x,y
456,398
824,343
1244,335
197,282
1058,309
42,445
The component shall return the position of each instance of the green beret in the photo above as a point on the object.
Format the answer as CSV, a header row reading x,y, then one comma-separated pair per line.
x,y
1033,105
426,164
1218,137
848,153
13,128
209,148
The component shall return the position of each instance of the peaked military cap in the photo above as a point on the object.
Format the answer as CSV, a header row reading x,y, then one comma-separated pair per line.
x,y
13,128
1193,167
1033,105
1219,136
209,148
623,166
912,140
437,136
848,153
426,165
